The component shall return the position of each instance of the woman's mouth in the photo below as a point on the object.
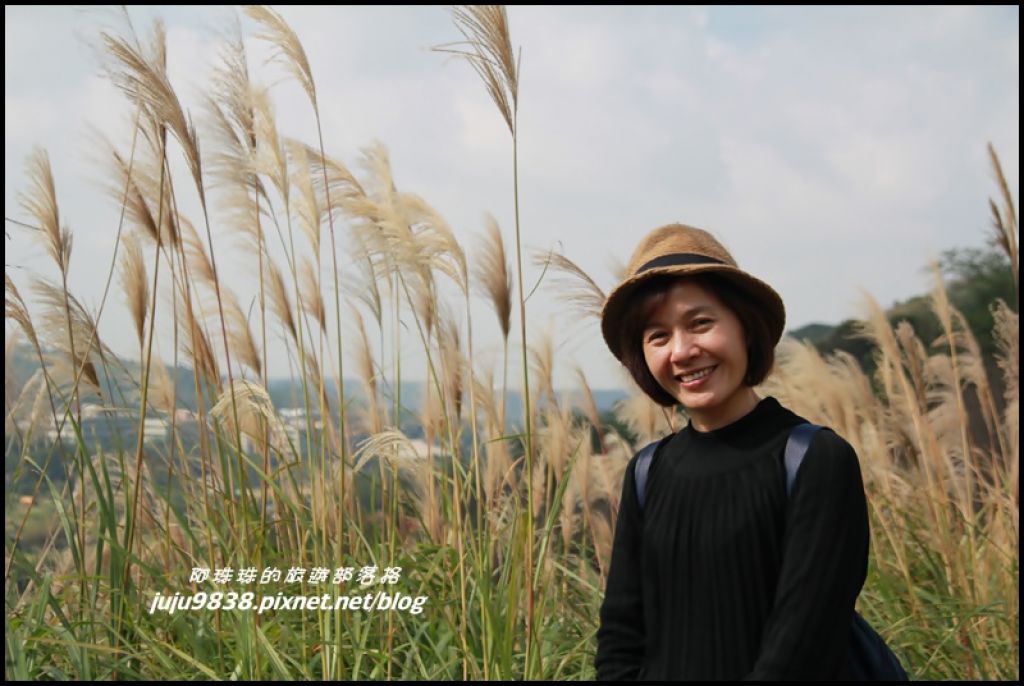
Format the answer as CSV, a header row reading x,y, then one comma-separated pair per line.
x,y
696,378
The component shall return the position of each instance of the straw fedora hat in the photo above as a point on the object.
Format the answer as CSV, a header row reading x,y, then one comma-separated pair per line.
x,y
681,250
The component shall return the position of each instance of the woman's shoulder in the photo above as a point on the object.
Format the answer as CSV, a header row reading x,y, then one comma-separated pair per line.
x,y
827,441
650,451
830,457
827,447
646,451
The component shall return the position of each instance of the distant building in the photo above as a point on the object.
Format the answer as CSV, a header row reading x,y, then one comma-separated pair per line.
x,y
109,426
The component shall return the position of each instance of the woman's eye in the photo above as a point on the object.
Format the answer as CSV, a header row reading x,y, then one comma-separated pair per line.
x,y
702,322
656,337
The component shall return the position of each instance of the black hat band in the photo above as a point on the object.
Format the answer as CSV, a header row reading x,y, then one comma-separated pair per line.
x,y
678,259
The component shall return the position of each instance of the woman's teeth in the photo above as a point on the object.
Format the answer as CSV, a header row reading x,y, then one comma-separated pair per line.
x,y
687,378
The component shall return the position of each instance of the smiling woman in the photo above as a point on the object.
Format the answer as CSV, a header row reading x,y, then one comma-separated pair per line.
x,y
710,312
695,348
717,572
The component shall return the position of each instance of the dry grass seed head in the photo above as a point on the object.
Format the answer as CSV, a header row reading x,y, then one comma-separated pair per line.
x,y
280,305
288,48
573,285
135,284
312,300
57,307
40,202
493,274
144,80
489,52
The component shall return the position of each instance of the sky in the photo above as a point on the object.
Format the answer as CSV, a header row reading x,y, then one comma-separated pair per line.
x,y
834,151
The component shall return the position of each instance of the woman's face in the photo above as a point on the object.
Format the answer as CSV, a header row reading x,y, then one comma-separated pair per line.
x,y
696,350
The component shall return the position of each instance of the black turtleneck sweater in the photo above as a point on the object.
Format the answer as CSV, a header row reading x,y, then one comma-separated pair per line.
x,y
721,576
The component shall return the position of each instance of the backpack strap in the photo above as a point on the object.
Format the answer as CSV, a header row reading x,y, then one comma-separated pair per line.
x,y
643,464
796,447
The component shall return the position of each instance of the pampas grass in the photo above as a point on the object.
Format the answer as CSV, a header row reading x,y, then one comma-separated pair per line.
x,y
573,285
288,48
488,49
40,202
1004,221
931,495
493,276
136,288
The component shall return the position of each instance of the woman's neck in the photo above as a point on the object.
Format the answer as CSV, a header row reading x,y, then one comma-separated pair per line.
x,y
740,405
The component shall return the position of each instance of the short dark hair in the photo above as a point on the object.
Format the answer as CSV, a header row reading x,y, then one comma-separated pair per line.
x,y
649,296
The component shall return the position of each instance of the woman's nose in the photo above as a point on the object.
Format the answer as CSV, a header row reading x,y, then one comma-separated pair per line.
x,y
683,347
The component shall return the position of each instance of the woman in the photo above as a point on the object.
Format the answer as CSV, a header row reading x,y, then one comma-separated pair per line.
x,y
720,574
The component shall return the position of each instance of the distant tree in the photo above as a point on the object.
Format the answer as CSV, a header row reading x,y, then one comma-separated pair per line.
x,y
975,278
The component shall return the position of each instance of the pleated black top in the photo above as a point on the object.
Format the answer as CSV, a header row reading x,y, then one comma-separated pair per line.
x,y
721,576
